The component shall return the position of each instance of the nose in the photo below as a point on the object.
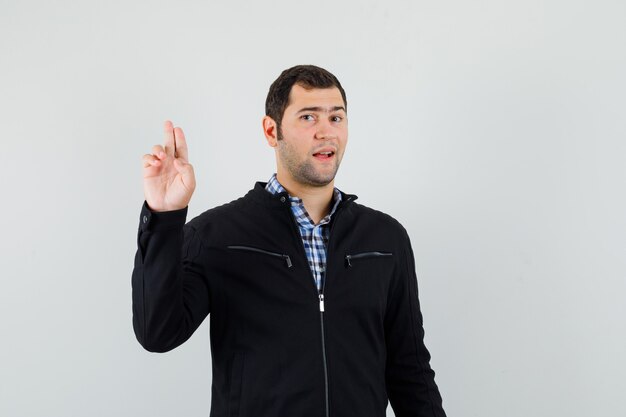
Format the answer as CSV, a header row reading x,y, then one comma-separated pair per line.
x,y
325,130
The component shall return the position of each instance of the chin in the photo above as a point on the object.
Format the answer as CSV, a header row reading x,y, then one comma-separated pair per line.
x,y
321,180
310,175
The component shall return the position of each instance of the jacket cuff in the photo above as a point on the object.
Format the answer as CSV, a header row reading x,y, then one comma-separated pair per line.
x,y
160,220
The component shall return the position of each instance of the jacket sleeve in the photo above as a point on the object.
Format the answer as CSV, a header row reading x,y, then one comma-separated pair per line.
x,y
409,378
170,294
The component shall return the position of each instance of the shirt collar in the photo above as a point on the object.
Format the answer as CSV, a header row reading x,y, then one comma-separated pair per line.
x,y
275,187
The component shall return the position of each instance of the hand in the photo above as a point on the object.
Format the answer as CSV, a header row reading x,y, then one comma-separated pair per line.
x,y
168,178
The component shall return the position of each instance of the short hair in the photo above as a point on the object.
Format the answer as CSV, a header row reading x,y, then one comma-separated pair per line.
x,y
307,76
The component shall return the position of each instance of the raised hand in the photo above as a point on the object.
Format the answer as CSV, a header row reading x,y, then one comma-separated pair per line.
x,y
168,178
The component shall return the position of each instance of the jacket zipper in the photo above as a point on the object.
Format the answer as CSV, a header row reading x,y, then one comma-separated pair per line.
x,y
366,255
320,295
250,248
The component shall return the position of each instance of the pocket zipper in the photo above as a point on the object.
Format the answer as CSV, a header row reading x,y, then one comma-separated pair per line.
x,y
280,255
366,255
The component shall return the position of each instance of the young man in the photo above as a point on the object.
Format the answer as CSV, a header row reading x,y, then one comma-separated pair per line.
x,y
312,297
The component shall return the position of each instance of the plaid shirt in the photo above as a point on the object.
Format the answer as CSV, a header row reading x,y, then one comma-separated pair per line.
x,y
314,236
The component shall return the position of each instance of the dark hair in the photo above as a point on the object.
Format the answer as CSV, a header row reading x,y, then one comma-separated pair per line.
x,y
307,76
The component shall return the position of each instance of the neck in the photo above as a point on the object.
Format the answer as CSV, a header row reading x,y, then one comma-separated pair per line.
x,y
316,199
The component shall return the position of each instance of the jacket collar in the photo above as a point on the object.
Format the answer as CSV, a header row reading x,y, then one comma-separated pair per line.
x,y
260,195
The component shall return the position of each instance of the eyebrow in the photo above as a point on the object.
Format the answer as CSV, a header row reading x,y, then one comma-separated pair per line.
x,y
321,109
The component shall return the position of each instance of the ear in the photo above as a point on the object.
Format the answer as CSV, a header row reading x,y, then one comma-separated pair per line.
x,y
270,131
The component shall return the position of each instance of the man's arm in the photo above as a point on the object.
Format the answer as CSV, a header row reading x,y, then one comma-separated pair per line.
x,y
170,291
410,380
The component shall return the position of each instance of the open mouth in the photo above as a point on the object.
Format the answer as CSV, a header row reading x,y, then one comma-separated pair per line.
x,y
324,155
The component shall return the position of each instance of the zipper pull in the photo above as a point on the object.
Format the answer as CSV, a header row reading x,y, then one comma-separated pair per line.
x,y
288,259
348,259
321,302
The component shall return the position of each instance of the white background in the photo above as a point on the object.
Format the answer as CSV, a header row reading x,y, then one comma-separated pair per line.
x,y
493,130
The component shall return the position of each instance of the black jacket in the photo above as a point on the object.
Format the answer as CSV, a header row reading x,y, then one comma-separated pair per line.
x,y
275,353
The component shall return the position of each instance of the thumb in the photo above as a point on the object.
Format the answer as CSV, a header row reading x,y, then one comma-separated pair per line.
x,y
186,172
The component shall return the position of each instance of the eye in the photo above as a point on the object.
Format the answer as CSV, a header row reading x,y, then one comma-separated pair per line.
x,y
304,116
337,118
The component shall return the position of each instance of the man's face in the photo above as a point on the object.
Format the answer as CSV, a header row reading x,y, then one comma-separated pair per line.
x,y
314,123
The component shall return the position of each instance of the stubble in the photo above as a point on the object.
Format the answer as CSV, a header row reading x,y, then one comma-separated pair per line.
x,y
305,171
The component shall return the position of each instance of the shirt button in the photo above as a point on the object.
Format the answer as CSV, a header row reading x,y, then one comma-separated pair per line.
x,y
145,219
282,199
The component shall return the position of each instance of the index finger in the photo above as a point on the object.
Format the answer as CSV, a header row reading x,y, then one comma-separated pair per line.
x,y
181,144
169,144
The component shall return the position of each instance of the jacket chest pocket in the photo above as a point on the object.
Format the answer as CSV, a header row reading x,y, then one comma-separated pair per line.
x,y
363,285
359,257
250,277
371,269
253,249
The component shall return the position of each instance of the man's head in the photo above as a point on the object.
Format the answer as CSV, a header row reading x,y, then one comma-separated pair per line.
x,y
307,76
305,115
